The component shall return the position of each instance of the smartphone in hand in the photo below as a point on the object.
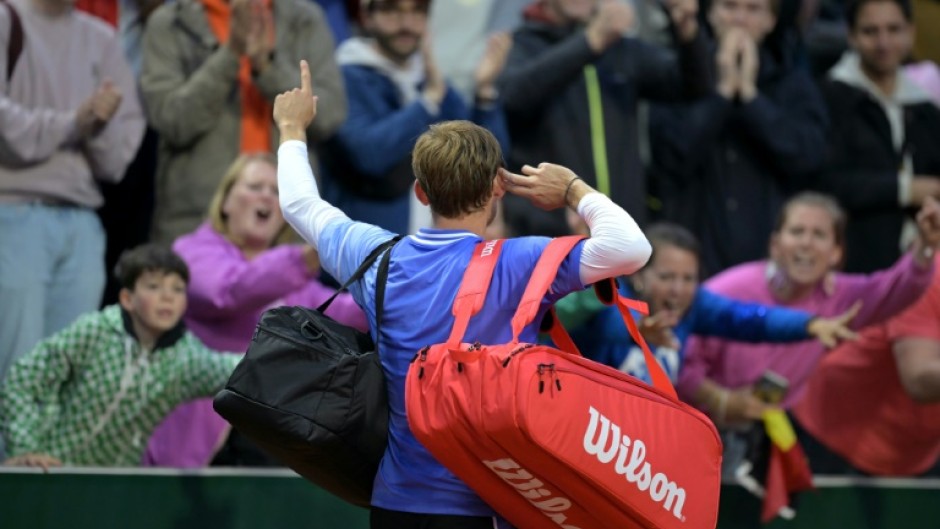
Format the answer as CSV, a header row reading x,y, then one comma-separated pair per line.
x,y
771,387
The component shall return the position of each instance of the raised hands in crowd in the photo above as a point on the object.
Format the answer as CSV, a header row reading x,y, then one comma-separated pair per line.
x,y
491,65
614,19
928,230
435,87
738,62
96,111
610,23
252,32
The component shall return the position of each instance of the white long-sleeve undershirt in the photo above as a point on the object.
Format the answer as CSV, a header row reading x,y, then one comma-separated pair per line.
x,y
616,247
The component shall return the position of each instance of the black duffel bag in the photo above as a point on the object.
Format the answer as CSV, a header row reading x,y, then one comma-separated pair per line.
x,y
311,393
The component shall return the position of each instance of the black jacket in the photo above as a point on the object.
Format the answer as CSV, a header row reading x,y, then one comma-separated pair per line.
x,y
545,96
863,170
725,168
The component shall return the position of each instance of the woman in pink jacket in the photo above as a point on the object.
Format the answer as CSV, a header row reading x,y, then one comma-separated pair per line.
x,y
806,249
240,265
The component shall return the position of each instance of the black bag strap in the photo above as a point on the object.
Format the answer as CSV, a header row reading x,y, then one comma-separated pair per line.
x,y
15,46
380,280
357,275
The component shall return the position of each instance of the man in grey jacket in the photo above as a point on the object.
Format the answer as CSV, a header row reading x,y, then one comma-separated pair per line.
x,y
211,71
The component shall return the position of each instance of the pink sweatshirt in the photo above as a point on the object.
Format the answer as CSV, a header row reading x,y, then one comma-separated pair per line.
x,y
227,295
734,364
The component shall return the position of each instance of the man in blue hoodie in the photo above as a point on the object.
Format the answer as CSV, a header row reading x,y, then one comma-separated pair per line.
x,y
395,93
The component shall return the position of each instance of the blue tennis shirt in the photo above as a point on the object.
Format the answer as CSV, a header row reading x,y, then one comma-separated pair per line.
x,y
425,273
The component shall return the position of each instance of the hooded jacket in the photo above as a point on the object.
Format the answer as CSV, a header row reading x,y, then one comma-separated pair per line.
x,y
873,155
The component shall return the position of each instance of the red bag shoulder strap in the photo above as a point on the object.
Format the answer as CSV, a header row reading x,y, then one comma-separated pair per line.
x,y
542,276
606,291
473,288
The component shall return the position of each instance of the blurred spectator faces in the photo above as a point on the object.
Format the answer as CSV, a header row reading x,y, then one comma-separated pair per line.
x,y
756,17
670,279
397,25
883,36
808,241
245,207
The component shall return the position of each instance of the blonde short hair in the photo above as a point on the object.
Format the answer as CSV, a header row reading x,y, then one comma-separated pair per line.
x,y
215,214
456,162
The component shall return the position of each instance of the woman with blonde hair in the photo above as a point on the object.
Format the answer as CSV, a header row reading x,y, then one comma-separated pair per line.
x,y
242,263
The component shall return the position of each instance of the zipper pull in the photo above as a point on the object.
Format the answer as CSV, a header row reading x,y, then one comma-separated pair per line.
x,y
555,376
541,382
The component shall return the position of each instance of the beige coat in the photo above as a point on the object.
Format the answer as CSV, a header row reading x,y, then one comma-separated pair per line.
x,y
190,89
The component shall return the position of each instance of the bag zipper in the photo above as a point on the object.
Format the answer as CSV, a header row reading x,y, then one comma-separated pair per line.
x,y
595,376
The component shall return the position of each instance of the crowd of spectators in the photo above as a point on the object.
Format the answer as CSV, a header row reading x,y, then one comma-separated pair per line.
x,y
784,156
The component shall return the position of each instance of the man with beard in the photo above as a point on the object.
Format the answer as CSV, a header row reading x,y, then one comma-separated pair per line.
x,y
395,92
884,159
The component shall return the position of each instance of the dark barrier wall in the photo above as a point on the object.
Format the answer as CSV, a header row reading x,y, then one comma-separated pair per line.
x,y
212,499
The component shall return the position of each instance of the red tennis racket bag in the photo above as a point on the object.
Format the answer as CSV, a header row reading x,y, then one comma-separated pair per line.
x,y
551,439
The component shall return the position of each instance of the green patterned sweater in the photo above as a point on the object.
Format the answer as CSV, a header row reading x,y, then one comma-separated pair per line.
x,y
91,395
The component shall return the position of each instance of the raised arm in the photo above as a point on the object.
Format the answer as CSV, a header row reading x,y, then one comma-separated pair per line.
x,y
888,292
616,246
201,371
299,197
753,322
223,284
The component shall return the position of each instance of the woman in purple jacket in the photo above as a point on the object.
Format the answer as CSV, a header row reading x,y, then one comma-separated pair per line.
x,y
240,265
807,247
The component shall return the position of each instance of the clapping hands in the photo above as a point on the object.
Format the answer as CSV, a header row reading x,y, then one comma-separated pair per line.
x,y
251,32
97,110
738,63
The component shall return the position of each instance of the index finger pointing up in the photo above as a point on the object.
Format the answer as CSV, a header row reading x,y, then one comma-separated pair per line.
x,y
305,78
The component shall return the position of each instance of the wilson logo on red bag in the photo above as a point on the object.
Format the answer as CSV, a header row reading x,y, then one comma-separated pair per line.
x,y
628,458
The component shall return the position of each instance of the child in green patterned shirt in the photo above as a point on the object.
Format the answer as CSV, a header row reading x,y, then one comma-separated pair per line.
x,y
92,393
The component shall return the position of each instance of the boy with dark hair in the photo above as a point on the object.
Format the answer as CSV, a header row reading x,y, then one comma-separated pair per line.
x,y
92,393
